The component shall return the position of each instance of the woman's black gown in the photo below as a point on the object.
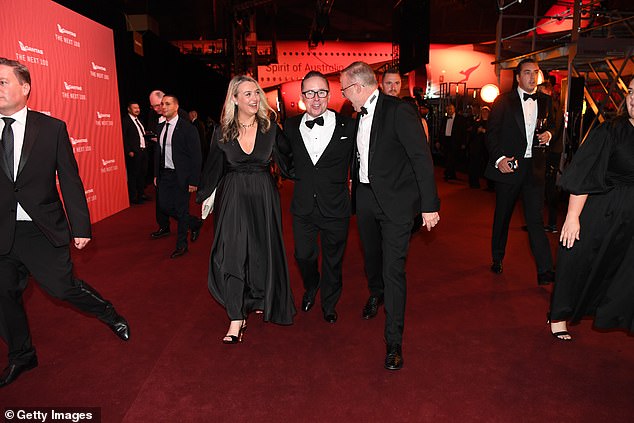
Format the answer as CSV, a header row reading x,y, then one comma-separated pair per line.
x,y
247,268
596,276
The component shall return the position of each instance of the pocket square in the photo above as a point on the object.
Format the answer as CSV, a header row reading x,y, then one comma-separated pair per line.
x,y
344,137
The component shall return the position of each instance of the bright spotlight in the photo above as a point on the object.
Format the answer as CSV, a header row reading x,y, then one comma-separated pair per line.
x,y
489,93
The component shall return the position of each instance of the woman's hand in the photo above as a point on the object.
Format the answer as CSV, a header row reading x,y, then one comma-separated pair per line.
x,y
570,231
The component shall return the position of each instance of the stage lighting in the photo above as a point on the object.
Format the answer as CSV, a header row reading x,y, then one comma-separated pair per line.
x,y
489,93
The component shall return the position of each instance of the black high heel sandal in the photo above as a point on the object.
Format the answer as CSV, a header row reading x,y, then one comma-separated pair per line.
x,y
233,339
558,335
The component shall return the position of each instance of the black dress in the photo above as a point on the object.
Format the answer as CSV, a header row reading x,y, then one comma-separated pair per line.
x,y
247,268
596,276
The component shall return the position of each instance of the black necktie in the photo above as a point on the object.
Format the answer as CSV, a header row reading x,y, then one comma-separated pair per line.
x,y
138,124
319,121
527,96
7,143
163,145
363,111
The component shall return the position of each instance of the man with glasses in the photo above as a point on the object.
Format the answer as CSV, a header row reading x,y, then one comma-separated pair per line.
x,y
392,181
321,141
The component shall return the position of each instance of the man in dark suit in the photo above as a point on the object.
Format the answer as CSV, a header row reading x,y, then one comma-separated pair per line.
x,y
392,181
321,143
453,138
34,227
136,159
202,133
177,162
517,151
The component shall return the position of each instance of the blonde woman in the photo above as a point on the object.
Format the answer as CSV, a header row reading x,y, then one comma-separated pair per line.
x,y
247,270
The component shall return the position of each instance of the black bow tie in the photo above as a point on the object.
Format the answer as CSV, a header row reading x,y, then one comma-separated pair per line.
x,y
363,111
527,96
319,121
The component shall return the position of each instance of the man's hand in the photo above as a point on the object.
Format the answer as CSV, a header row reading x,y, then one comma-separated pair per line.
x,y
193,188
430,219
131,154
81,242
503,165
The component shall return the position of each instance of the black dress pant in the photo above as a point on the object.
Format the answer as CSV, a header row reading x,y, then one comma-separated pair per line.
x,y
531,188
333,232
52,269
137,170
385,244
173,200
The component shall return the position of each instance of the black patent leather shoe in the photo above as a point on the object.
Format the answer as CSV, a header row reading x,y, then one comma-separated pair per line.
x,y
307,303
13,371
179,252
120,327
496,267
331,317
394,357
371,307
160,233
545,278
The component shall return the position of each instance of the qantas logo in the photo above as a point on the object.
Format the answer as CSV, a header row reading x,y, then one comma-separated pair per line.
x,y
65,31
75,141
97,67
24,47
107,162
70,87
102,115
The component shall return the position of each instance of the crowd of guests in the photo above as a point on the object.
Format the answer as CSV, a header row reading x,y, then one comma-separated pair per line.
x,y
378,166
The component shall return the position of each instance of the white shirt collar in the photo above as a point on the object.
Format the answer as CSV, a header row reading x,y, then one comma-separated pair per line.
x,y
19,116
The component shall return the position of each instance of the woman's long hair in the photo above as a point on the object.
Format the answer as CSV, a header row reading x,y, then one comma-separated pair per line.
x,y
229,125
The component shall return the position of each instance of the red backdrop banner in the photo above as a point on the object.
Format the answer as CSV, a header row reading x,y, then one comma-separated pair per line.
x,y
73,75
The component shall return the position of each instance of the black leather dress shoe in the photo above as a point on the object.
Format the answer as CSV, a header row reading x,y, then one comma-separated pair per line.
x,y
179,252
545,278
394,357
120,327
160,233
331,317
12,371
496,267
307,303
371,307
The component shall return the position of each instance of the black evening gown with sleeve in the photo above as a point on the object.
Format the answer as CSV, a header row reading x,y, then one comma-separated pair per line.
x,y
596,276
247,267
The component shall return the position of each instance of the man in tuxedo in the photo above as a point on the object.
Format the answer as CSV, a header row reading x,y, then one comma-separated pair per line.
x,y
202,133
321,142
453,138
177,164
517,165
136,158
392,181
35,225
391,82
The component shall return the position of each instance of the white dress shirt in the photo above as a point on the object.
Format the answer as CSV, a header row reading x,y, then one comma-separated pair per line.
x,y
19,126
139,128
363,136
529,107
169,162
317,139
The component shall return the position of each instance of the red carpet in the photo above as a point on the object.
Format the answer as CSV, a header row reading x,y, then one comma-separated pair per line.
x,y
476,345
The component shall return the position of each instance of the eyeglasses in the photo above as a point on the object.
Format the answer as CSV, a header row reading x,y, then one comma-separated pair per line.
x,y
343,90
311,94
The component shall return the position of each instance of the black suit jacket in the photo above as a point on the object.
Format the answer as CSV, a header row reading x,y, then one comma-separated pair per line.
x,y
400,168
131,140
186,153
326,181
506,134
47,151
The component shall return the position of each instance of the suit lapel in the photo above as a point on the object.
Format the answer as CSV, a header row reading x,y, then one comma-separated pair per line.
x,y
376,127
516,104
30,135
297,135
